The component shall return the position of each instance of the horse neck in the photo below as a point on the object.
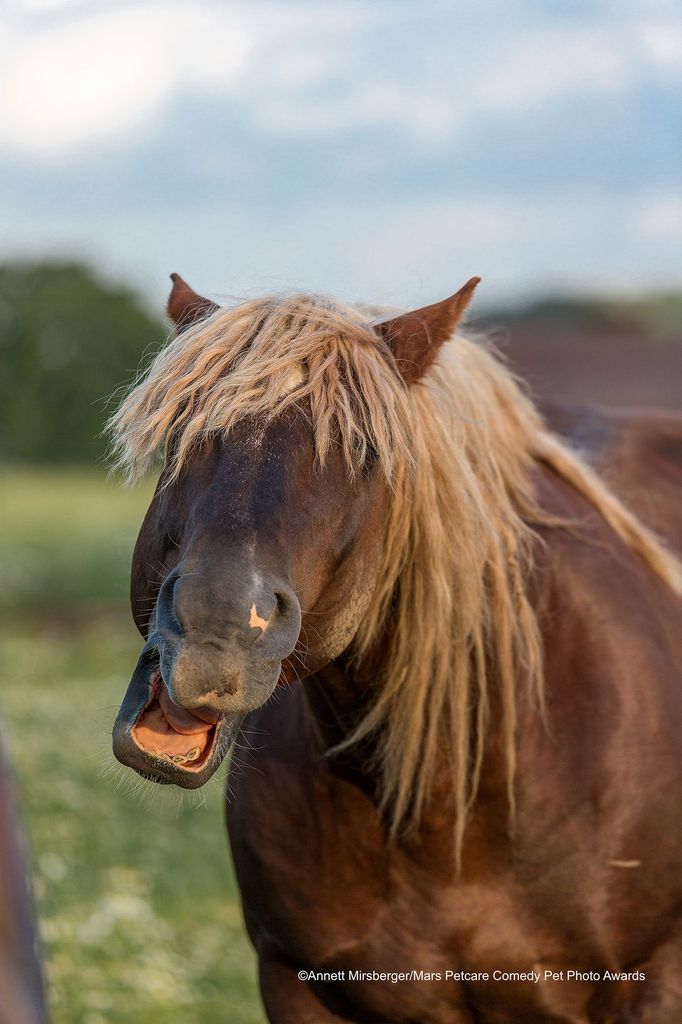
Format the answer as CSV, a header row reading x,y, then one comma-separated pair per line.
x,y
601,612
338,695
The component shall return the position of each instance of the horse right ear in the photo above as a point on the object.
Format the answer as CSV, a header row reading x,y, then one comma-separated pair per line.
x,y
185,307
415,338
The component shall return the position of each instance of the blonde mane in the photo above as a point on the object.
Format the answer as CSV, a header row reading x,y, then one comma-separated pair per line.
x,y
458,451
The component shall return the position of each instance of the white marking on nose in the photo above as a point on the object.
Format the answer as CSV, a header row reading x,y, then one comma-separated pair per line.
x,y
256,620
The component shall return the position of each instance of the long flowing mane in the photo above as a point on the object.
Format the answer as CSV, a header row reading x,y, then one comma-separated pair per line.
x,y
458,451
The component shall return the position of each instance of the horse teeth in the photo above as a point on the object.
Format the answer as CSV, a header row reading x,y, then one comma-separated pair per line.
x,y
191,755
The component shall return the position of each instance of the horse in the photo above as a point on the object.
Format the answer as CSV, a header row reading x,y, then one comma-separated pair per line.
x,y
21,985
442,623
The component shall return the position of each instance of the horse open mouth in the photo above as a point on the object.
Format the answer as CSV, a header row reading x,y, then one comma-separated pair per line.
x,y
164,742
172,733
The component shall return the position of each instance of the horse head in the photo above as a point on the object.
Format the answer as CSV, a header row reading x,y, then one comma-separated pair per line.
x,y
260,553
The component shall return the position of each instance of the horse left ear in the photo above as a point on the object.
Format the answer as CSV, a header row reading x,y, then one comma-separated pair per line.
x,y
185,306
415,338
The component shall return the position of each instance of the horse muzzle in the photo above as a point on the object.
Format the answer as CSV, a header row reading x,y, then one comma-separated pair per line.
x,y
215,654
164,741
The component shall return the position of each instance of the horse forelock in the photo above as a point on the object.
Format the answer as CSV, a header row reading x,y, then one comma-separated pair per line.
x,y
255,360
457,451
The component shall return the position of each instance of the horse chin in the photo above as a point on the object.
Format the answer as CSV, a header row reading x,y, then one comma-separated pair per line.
x,y
163,742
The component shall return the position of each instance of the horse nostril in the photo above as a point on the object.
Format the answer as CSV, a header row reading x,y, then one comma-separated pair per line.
x,y
286,603
166,615
287,614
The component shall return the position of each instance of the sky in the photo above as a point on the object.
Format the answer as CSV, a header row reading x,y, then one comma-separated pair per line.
x,y
383,151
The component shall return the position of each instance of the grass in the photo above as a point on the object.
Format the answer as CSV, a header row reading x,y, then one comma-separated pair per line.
x,y
139,913
67,540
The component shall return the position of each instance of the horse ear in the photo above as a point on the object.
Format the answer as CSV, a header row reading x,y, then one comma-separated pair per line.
x,y
415,338
184,306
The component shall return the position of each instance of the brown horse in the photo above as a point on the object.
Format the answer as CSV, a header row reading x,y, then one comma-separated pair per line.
x,y
21,988
462,801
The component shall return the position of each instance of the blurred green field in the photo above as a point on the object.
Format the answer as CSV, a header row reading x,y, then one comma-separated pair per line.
x,y
139,915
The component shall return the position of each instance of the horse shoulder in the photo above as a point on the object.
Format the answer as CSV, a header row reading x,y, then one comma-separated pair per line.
x,y
607,766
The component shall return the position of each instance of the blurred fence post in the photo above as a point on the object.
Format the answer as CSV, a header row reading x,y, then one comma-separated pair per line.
x,y
21,984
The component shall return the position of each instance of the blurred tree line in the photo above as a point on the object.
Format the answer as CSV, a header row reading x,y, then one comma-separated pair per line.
x,y
68,341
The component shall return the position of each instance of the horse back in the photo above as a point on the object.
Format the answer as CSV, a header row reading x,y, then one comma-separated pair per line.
x,y
638,452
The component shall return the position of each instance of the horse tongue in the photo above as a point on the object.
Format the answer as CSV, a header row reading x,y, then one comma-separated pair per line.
x,y
183,721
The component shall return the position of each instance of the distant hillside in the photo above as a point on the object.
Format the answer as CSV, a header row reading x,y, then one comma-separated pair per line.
x,y
615,352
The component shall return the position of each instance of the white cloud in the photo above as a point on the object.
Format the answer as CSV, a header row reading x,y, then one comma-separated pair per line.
x,y
297,69
535,68
68,84
658,218
420,112
41,6
364,225
662,44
